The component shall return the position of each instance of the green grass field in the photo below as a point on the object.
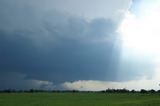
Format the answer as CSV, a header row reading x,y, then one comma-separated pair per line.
x,y
78,99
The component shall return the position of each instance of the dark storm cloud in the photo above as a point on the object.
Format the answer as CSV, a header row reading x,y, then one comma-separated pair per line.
x,y
56,46
73,53
13,80
61,48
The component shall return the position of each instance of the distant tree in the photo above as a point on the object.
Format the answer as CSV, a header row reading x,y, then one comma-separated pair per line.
x,y
7,91
143,91
57,91
20,90
103,91
13,90
31,90
158,91
133,91
152,91
74,91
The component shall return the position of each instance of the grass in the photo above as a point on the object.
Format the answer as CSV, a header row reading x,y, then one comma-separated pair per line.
x,y
78,99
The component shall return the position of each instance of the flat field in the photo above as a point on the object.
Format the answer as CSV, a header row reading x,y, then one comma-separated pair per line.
x,y
78,99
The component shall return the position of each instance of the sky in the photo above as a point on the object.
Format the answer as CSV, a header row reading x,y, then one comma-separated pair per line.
x,y
79,44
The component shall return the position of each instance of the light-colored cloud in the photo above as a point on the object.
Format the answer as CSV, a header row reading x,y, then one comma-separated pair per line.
x,y
89,9
30,14
94,85
18,81
140,37
142,34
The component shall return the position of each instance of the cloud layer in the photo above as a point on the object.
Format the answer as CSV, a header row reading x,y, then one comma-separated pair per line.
x,y
59,41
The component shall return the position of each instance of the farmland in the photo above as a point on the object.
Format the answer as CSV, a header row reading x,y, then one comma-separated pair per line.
x,y
79,99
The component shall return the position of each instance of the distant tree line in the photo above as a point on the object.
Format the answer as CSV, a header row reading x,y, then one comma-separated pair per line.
x,y
129,91
143,91
36,91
